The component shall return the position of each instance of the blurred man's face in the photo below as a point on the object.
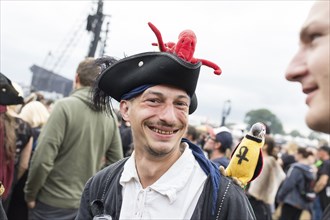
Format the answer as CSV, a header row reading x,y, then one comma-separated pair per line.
x,y
210,143
311,66
322,155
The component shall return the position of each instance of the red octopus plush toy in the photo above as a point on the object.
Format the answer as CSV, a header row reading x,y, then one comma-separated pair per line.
x,y
184,48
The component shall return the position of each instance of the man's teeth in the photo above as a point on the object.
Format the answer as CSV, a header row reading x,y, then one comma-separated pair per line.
x,y
162,132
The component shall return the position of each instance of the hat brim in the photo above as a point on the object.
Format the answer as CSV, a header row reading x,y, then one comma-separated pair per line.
x,y
150,68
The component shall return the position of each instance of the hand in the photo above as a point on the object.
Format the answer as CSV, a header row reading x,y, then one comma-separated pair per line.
x,y
31,204
235,180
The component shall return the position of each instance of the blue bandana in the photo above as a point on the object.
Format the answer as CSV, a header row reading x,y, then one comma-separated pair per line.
x,y
135,92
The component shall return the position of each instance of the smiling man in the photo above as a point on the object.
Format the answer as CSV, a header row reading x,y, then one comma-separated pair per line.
x,y
311,67
166,177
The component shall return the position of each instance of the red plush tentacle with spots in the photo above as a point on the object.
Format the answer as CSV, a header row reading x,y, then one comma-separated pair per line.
x,y
161,44
208,63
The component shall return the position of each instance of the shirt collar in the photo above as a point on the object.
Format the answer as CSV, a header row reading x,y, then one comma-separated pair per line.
x,y
171,182
129,172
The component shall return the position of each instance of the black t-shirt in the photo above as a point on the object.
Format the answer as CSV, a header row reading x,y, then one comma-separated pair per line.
x,y
325,192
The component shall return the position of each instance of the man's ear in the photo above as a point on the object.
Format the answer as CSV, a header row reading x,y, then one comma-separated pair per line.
x,y
217,145
124,107
77,79
76,83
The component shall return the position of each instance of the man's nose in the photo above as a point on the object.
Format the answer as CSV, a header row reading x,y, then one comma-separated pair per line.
x,y
168,113
297,67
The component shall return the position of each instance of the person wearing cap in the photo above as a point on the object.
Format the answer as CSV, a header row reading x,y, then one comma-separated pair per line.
x,y
167,176
72,147
311,68
8,137
15,205
218,145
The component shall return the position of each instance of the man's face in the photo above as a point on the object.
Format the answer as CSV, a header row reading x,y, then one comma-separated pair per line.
x,y
159,119
210,144
322,155
311,66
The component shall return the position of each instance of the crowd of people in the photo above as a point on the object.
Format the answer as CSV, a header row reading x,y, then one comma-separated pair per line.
x,y
277,193
79,158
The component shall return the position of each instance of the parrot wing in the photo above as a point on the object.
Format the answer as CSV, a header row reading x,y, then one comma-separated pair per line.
x,y
258,167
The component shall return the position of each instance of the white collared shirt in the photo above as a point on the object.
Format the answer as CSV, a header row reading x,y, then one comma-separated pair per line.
x,y
173,196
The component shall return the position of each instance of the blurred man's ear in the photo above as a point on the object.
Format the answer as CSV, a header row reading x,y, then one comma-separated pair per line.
x,y
217,145
76,83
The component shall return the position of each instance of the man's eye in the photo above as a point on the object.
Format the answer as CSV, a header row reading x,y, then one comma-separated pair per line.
x,y
153,100
182,104
314,36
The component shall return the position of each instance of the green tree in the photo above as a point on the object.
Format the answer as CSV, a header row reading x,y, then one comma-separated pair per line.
x,y
314,135
265,116
295,133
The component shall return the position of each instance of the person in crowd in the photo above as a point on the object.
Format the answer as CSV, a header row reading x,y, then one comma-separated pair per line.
x,y
17,207
322,186
192,134
262,191
204,131
36,114
217,145
167,176
49,105
288,158
311,68
8,142
70,150
316,164
290,193
35,96
125,134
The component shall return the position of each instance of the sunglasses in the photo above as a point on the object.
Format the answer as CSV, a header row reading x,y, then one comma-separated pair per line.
x,y
210,138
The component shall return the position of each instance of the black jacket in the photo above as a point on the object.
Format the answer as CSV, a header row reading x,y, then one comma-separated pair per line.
x,y
294,183
103,195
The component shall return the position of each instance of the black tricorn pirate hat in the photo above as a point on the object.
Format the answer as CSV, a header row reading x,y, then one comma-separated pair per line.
x,y
153,68
8,94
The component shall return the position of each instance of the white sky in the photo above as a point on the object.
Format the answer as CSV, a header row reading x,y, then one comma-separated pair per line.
x,y
252,41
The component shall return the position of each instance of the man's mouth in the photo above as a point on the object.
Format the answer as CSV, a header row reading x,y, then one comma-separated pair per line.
x,y
310,92
159,131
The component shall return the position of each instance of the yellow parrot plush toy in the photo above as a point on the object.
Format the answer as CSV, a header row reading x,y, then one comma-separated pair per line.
x,y
246,160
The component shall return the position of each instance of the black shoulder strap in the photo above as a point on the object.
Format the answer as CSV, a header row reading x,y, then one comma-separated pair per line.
x,y
107,183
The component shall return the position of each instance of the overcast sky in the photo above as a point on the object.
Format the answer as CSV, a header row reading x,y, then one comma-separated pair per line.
x,y
252,42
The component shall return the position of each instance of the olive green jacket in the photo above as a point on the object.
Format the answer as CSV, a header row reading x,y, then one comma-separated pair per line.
x,y
70,149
